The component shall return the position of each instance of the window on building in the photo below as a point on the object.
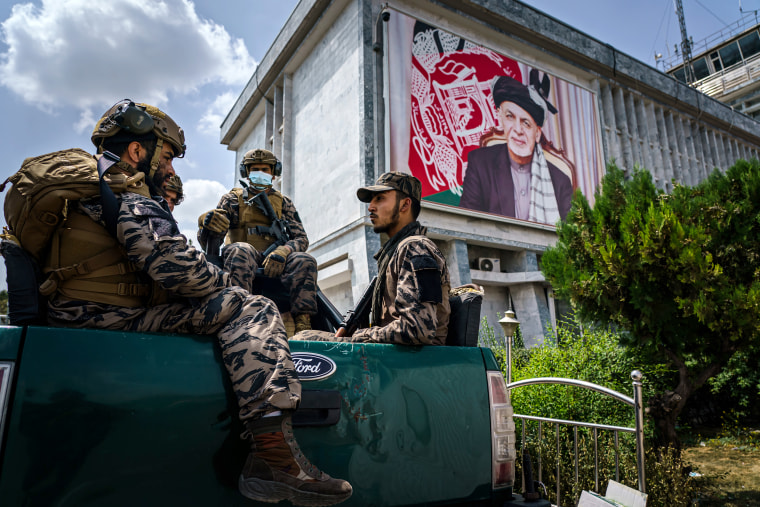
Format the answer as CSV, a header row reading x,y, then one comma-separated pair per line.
x,y
730,54
716,63
750,44
701,70
680,75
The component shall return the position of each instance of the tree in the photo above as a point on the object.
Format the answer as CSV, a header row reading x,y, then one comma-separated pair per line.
x,y
679,272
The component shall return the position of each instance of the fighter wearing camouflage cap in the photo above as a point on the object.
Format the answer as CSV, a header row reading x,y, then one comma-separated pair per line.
x,y
289,262
166,285
410,302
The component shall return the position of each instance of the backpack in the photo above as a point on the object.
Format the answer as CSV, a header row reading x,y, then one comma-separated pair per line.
x,y
37,202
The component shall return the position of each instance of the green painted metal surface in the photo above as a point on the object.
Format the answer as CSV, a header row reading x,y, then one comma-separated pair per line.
x,y
10,340
115,418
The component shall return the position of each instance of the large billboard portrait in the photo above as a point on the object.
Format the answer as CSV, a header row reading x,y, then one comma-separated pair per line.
x,y
484,132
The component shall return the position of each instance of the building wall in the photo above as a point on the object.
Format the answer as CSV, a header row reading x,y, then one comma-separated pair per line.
x,y
312,98
310,119
673,145
257,139
326,134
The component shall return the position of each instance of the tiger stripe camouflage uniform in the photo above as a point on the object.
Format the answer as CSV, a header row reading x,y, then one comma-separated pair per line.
x,y
413,312
300,272
202,300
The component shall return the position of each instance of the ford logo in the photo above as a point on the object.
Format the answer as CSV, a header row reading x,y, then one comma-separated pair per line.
x,y
310,366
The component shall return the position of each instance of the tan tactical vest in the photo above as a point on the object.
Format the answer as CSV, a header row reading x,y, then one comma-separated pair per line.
x,y
250,217
86,263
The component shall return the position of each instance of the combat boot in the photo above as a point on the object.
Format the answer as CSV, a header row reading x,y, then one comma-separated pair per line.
x,y
276,469
303,322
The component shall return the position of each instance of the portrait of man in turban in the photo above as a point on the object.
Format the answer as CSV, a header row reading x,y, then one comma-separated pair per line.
x,y
517,178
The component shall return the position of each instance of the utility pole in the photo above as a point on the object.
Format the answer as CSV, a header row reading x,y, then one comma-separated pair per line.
x,y
685,44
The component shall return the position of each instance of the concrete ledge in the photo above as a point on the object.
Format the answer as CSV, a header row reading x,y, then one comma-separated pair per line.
x,y
334,274
506,279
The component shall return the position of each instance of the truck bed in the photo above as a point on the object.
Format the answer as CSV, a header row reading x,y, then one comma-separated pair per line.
x,y
118,418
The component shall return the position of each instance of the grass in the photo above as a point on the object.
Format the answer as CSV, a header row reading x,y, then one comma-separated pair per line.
x,y
726,464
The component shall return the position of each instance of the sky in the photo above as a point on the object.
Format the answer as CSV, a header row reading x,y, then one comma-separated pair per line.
x,y
65,62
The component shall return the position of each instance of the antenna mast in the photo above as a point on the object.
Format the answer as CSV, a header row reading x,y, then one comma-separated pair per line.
x,y
685,44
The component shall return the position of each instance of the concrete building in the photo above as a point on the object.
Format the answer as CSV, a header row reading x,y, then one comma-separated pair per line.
x,y
323,95
726,65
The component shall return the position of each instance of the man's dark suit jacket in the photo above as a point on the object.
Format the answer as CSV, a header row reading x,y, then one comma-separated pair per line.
x,y
488,184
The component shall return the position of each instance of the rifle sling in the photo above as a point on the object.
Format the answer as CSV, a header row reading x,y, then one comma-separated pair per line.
x,y
107,197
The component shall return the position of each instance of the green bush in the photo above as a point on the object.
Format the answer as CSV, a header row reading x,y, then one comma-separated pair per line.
x,y
737,386
679,271
594,356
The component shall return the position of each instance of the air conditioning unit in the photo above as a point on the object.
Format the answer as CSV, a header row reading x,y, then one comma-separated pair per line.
x,y
487,264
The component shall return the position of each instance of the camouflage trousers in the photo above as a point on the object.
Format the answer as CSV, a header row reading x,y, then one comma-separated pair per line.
x,y
299,276
249,329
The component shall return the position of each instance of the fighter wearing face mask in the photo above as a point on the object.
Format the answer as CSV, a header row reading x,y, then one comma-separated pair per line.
x,y
243,223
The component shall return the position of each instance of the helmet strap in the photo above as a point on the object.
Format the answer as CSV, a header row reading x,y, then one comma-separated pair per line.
x,y
156,158
128,169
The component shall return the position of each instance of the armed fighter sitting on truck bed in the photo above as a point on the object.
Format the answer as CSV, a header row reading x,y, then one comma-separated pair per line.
x,y
410,296
172,288
270,224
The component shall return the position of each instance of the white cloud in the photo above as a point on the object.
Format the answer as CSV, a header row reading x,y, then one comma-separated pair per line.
x,y
200,196
85,122
215,114
88,54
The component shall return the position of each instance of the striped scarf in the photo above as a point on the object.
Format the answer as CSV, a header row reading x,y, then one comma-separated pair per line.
x,y
543,202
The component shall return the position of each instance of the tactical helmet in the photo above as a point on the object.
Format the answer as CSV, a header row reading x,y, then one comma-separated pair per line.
x,y
139,119
259,156
174,183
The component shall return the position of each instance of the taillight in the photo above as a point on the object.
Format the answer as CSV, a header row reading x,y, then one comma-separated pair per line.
x,y
502,433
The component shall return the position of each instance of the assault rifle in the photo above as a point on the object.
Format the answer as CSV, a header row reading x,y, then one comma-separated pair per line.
x,y
278,229
359,315
213,245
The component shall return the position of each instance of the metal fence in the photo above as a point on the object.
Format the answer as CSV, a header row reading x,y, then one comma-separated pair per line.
x,y
638,430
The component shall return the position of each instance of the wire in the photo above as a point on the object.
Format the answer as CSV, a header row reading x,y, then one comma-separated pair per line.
x,y
667,30
711,12
659,29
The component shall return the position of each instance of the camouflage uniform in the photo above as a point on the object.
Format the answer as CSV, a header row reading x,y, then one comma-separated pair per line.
x,y
410,304
415,304
299,276
201,300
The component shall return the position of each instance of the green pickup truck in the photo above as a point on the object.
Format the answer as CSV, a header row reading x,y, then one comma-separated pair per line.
x,y
108,418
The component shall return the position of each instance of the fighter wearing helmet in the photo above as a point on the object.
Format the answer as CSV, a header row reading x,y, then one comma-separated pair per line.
x,y
172,191
141,275
127,121
247,223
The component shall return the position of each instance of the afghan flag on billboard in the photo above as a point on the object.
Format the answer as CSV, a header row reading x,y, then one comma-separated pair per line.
x,y
441,108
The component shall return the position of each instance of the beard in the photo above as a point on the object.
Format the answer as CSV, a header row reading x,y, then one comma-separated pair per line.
x,y
156,183
393,221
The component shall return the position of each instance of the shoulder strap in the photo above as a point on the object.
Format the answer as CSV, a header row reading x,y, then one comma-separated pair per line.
x,y
107,197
